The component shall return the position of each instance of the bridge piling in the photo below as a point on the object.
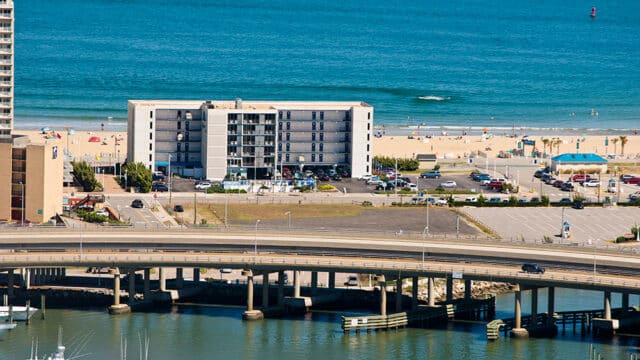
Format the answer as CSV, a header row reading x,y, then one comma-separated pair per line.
x,y
449,295
332,280
9,283
132,286
383,295
146,292
414,293
551,294
431,291
179,278
399,294
280,289
518,330
314,282
534,307
162,280
196,275
296,284
607,305
250,313
625,301
265,290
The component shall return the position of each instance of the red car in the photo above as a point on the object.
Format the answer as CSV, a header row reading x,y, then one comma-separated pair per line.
x,y
496,185
633,180
580,178
558,183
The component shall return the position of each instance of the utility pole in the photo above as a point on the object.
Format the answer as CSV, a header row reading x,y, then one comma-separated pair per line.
x,y
195,208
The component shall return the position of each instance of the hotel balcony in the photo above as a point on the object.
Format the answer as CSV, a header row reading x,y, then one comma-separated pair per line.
x,y
5,84
6,72
5,40
6,30
6,62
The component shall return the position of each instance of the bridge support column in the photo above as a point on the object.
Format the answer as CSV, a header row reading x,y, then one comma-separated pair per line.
x,y
10,283
449,288
265,290
179,278
399,294
518,330
314,282
146,292
551,305
625,301
432,292
534,307
250,313
26,278
607,305
132,286
280,289
467,289
196,275
414,292
332,280
162,279
116,289
296,284
383,295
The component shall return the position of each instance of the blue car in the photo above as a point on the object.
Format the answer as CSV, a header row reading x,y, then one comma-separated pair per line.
x,y
432,174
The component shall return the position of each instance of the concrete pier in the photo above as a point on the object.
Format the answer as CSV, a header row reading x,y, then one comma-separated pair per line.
x,y
179,278
332,280
534,307
146,292
132,286
518,330
399,294
383,296
414,292
467,289
296,284
196,275
10,283
314,282
250,313
449,295
265,290
280,289
625,301
551,302
117,308
162,282
607,305
431,289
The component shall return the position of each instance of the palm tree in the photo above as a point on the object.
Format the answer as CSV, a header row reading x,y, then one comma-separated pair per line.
x,y
623,142
557,142
545,143
615,145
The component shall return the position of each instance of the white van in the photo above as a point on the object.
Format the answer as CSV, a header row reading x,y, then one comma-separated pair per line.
x,y
613,186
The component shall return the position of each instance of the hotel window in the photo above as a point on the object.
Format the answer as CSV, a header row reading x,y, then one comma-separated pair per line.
x,y
313,157
179,125
321,115
150,114
150,157
321,136
186,147
368,137
150,147
288,125
150,125
288,115
287,157
150,136
313,115
313,146
320,158
279,146
368,126
179,147
313,126
313,136
288,136
280,125
367,158
368,116
232,117
288,147
321,124
367,147
280,117
321,148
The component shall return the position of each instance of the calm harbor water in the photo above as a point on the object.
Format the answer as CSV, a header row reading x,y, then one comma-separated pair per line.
x,y
199,332
465,63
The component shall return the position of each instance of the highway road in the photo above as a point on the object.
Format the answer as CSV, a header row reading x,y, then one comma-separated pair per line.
x,y
571,267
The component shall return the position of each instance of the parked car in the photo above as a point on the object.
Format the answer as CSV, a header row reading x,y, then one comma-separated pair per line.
x,y
365,177
495,200
565,201
580,178
471,199
625,177
351,281
385,186
632,180
103,212
577,205
411,187
495,185
324,177
178,208
538,173
635,196
431,174
375,180
159,187
567,186
441,202
535,200
558,183
591,183
448,184
137,203
203,185
532,268
336,177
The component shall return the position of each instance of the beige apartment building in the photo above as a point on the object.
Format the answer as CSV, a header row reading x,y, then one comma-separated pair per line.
x,y
31,188
6,68
250,139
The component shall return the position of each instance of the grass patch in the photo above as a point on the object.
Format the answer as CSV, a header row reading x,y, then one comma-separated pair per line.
x,y
477,224
214,212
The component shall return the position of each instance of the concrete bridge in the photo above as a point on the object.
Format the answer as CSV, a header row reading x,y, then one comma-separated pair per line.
x,y
263,253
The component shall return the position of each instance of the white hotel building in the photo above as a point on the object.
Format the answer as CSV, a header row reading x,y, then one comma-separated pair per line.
x,y
252,139
6,69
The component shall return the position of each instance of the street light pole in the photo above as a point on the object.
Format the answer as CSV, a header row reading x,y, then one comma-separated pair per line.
x,y
427,227
562,227
195,208
288,213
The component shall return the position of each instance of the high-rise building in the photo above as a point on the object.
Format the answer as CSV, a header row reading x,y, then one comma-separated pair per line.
x,y
251,139
6,69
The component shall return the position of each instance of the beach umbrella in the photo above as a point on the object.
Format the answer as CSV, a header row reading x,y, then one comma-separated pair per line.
x,y
94,139
72,132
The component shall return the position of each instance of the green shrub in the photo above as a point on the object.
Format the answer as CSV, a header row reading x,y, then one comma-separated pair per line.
x,y
367,203
85,176
326,187
139,176
620,239
92,217
544,199
404,164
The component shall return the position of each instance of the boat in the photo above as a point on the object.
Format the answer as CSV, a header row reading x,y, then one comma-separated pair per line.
x,y
19,312
7,326
593,12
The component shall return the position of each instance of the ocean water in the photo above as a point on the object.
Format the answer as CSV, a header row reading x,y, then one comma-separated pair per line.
x,y
467,63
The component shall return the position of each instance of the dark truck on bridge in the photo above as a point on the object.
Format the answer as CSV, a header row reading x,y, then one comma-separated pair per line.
x,y
533,268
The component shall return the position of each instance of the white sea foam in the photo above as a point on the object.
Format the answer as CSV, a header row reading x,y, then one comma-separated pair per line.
x,y
434,98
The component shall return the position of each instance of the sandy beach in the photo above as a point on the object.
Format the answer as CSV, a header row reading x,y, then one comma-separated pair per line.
x,y
454,147
112,145
105,147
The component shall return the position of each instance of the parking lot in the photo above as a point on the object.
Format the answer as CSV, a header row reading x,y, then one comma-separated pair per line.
x,y
536,222
143,217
